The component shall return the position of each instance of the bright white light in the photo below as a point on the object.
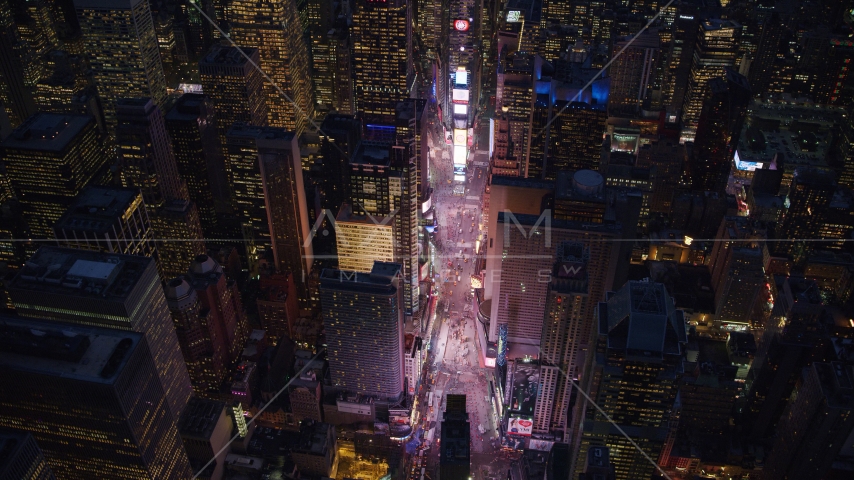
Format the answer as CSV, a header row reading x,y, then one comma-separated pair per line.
x,y
462,49
460,109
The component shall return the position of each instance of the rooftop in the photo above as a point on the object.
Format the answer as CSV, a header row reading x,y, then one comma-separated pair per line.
x,y
379,281
90,354
314,438
200,417
98,208
243,130
642,318
52,132
220,55
80,273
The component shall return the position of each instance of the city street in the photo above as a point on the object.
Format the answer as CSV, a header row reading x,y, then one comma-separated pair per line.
x,y
453,365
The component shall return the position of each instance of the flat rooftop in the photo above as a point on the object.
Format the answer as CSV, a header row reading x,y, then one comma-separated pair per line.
x,y
200,417
98,208
89,354
80,273
51,132
372,153
379,281
243,130
220,55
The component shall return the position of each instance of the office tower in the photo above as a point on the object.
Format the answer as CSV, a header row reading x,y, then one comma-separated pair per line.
x,y
793,339
676,64
220,298
22,458
515,98
107,219
236,88
381,56
816,425
642,340
306,396
716,47
383,188
202,344
525,237
91,398
665,158
574,139
206,426
278,305
269,196
273,27
48,160
192,126
718,131
16,98
762,66
362,240
121,44
598,465
455,454
340,136
708,389
148,163
808,201
109,290
363,320
414,356
744,280
563,342
145,152
633,73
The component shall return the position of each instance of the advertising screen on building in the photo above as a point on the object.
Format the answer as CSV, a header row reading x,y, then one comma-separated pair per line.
x,y
461,25
520,426
459,170
460,137
461,110
514,16
461,78
460,155
747,166
461,95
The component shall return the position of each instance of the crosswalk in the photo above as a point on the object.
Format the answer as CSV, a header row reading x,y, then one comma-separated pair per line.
x,y
480,164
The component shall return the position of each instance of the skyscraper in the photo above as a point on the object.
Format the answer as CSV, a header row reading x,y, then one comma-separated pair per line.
x,y
92,399
107,219
381,49
192,127
273,27
633,72
718,131
761,68
269,197
716,47
22,457
145,152
148,163
236,88
121,44
363,320
808,201
383,185
816,425
16,99
641,349
48,160
109,290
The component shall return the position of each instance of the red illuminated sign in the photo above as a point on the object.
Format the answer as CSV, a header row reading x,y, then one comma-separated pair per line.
x,y
461,25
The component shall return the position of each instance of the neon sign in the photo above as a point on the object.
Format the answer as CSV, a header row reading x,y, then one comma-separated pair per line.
x,y
461,25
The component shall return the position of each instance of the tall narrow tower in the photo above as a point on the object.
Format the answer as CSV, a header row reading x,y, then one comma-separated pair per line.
x,y
121,44
381,36
274,28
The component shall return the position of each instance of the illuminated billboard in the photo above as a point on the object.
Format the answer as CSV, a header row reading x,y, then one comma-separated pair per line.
x,y
461,77
460,137
520,426
461,95
514,16
460,154
747,166
461,25
461,110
